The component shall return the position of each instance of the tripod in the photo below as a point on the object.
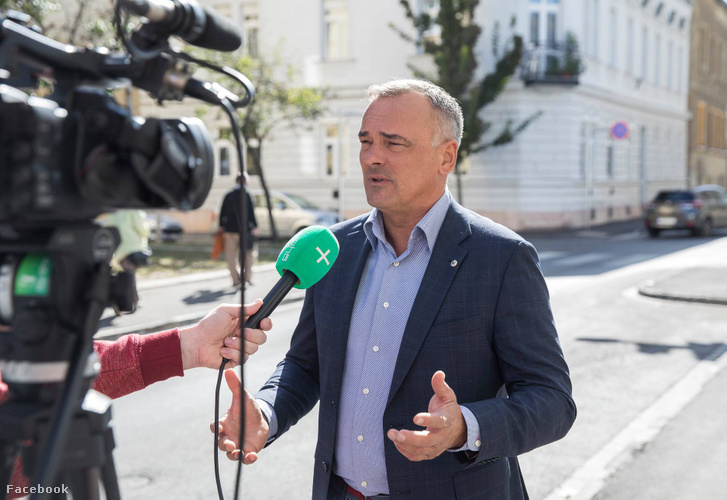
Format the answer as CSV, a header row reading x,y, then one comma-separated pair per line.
x,y
61,285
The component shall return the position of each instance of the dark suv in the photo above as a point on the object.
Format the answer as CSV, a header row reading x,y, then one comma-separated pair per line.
x,y
699,209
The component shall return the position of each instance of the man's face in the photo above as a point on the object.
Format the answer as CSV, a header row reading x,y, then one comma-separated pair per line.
x,y
404,174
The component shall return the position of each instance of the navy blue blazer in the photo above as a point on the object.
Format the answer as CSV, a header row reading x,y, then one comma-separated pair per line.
x,y
485,321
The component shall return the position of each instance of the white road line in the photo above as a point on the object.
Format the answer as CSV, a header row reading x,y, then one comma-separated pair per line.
x,y
550,254
580,260
592,476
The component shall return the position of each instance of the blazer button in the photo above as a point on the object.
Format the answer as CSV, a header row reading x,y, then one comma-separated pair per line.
x,y
325,466
333,403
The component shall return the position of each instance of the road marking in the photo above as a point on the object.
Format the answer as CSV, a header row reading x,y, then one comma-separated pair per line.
x,y
580,260
592,476
323,256
551,254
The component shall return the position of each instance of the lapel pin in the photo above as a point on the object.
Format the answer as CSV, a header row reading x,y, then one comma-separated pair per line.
x,y
453,263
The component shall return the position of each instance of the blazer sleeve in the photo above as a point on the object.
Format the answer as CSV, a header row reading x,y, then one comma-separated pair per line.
x,y
294,387
539,407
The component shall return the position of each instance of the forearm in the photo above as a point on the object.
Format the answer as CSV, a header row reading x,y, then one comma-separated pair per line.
x,y
137,361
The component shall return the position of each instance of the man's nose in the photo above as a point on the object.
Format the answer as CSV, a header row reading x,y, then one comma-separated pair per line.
x,y
372,155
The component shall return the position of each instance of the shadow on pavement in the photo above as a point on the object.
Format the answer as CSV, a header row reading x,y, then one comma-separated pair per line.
x,y
700,351
207,296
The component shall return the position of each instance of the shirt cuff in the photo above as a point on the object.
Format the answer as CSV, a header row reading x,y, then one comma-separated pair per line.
x,y
473,431
269,414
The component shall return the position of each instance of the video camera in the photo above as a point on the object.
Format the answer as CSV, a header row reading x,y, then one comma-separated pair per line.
x,y
65,159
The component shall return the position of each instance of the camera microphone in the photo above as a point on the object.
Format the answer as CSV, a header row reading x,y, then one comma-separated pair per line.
x,y
188,20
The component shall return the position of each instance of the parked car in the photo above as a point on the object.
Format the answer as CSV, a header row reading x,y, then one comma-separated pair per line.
x,y
171,229
290,212
699,209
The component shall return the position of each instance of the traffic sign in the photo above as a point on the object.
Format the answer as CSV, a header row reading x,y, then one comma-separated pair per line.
x,y
620,130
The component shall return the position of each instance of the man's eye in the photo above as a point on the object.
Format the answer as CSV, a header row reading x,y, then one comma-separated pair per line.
x,y
395,144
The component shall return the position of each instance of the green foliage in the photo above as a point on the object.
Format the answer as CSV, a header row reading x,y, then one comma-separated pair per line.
x,y
453,53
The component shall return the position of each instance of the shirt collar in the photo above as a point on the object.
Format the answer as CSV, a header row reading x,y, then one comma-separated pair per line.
x,y
428,226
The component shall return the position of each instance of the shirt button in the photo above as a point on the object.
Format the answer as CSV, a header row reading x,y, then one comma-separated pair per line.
x,y
386,305
366,391
478,443
396,264
376,348
364,484
360,438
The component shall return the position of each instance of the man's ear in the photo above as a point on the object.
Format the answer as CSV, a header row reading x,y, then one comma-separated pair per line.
x,y
448,151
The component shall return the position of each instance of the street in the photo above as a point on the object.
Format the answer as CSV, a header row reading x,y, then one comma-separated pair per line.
x,y
638,366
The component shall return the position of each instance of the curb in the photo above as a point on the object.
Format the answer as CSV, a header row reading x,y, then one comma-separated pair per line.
x,y
192,278
650,291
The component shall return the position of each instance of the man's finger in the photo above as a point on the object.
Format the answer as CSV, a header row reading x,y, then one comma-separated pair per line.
x,y
251,309
441,388
430,420
233,382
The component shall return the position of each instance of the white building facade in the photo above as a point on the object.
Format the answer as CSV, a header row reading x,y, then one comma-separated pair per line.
x,y
570,168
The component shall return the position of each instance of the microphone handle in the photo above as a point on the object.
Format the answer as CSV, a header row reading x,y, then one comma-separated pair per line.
x,y
273,299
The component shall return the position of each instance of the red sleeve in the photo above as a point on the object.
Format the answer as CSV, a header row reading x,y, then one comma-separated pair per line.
x,y
127,365
136,361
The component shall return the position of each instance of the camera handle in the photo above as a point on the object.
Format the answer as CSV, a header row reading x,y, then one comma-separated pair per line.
x,y
64,439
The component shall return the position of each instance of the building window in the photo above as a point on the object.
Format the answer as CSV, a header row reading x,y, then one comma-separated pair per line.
x,y
630,44
534,27
614,38
335,30
644,52
657,60
224,161
680,66
552,29
330,150
670,65
701,123
609,161
594,33
703,49
250,27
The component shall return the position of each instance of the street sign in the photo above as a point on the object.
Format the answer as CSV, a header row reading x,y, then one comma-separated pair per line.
x,y
620,130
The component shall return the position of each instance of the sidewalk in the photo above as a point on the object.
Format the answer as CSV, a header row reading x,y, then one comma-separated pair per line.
x,y
698,284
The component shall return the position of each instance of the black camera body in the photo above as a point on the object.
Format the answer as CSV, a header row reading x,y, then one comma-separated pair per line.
x,y
73,163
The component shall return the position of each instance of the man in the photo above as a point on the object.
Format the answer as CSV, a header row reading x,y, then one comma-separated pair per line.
x,y
422,289
230,224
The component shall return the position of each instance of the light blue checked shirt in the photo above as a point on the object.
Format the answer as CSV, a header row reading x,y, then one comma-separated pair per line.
x,y
386,293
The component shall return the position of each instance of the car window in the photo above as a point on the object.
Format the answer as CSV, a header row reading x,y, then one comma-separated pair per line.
x,y
674,196
302,201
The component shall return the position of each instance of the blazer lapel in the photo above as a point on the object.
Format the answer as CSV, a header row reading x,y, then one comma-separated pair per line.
x,y
355,251
443,266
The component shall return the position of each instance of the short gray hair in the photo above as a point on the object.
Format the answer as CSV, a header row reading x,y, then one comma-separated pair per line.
x,y
449,122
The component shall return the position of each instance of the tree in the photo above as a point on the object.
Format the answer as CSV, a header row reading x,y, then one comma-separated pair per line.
x,y
456,63
79,22
276,103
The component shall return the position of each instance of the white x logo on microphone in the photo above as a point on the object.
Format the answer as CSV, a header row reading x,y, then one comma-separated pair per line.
x,y
323,256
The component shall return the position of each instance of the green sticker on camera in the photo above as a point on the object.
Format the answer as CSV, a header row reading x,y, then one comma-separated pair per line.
x,y
33,276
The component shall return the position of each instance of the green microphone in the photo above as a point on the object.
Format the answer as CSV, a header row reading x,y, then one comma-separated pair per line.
x,y
304,260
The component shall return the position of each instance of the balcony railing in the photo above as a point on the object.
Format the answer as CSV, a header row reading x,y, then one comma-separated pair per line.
x,y
551,62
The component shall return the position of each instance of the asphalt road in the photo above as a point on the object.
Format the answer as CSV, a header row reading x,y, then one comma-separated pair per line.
x,y
628,355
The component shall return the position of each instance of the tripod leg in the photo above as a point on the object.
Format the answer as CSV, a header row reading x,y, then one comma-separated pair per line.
x,y
109,478
9,458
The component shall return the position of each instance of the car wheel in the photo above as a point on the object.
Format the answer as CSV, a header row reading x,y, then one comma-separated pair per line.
x,y
300,229
705,229
654,232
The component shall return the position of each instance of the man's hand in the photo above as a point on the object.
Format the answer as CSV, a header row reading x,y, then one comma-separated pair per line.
x,y
445,426
215,336
256,427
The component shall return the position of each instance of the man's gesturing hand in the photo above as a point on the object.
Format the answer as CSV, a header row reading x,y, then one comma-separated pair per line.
x,y
256,427
445,426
